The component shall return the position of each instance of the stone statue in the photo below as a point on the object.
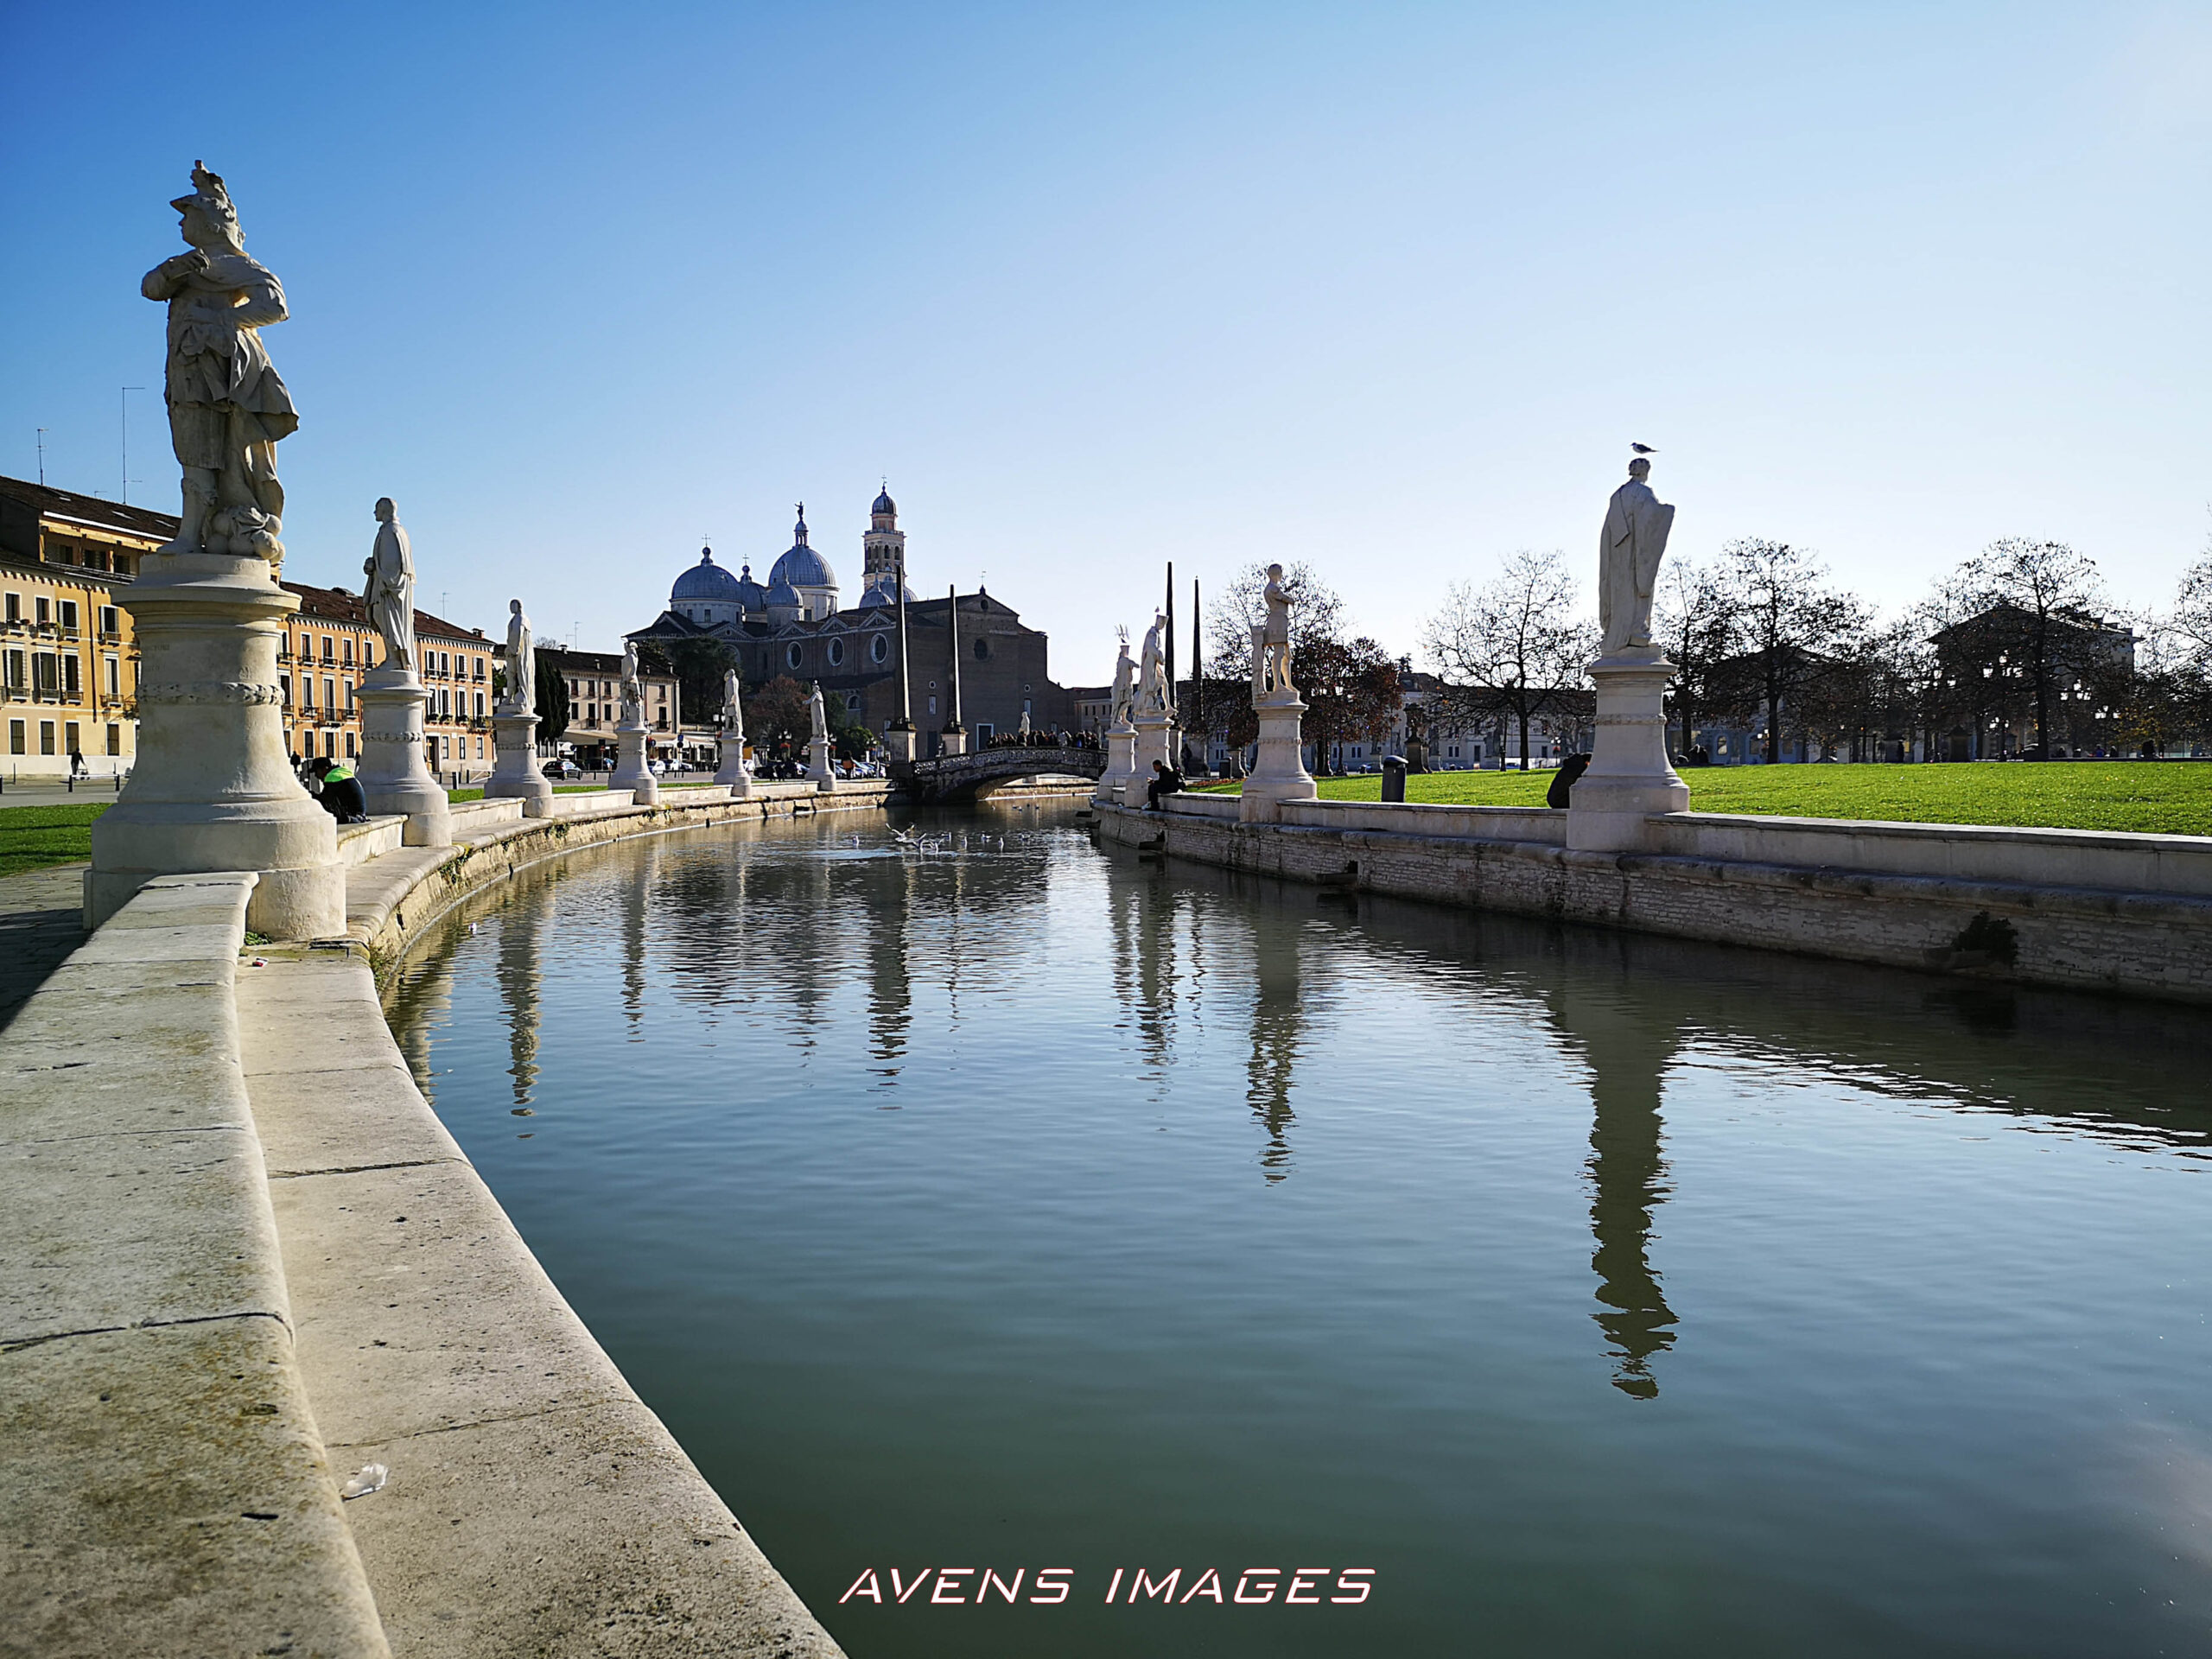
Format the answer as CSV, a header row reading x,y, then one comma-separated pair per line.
x,y
522,663
1152,673
1124,676
733,713
818,718
1271,643
1628,551
390,590
633,692
227,407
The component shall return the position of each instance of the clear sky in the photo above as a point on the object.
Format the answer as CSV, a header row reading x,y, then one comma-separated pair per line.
x,y
1388,288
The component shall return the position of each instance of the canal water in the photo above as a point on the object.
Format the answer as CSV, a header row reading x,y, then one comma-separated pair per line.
x,y
993,1200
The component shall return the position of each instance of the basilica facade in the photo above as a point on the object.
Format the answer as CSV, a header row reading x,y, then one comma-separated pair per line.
x,y
797,625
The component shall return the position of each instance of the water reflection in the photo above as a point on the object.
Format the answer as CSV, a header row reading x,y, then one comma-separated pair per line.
x,y
521,974
1627,1048
1277,1036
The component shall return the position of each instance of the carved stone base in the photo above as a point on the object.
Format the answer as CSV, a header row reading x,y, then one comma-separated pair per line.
x,y
732,773
953,739
1630,778
1155,740
820,767
631,770
899,742
516,774
1279,774
395,777
213,788
1121,764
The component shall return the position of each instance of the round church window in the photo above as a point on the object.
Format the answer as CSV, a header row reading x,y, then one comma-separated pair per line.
x,y
982,650
836,652
878,648
793,656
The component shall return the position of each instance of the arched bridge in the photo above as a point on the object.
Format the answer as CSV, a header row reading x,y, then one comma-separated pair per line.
x,y
950,777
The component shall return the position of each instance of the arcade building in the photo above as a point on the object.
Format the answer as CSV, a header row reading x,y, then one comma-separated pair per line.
x,y
798,626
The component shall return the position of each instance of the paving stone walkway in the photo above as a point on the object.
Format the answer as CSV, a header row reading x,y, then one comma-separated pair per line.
x,y
42,921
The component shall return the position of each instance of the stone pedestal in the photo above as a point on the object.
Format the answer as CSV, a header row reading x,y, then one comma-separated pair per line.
x,y
395,777
953,739
1628,777
631,770
1155,740
1279,774
516,774
731,773
1120,763
820,767
899,742
213,788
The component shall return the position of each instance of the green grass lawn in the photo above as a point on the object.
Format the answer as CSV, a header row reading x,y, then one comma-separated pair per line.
x,y
32,837
2169,798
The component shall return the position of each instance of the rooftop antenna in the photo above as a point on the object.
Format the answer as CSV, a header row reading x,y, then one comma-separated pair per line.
x,y
41,456
127,479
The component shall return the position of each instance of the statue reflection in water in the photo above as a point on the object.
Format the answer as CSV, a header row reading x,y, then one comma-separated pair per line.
x,y
519,972
1628,1051
1278,1038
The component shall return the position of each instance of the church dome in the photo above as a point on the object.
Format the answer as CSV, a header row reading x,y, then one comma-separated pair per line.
x,y
802,567
884,592
706,580
883,502
750,593
780,592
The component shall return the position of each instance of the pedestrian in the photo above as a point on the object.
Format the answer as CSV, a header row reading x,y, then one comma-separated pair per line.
x,y
1563,780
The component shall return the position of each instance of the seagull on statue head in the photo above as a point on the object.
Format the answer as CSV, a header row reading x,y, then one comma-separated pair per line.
x,y
1642,449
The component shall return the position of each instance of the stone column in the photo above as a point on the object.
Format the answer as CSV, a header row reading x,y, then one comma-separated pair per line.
x,y
1628,777
731,773
516,774
631,770
1279,774
1120,762
213,788
395,777
818,762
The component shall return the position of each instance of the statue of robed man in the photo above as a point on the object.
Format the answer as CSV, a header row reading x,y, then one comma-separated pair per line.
x,y
1152,669
522,663
733,714
818,718
390,591
1628,551
1125,670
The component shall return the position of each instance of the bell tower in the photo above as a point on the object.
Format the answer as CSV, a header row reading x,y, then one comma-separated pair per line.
x,y
883,550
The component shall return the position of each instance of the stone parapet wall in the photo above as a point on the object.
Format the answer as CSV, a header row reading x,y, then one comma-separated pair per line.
x,y
2057,930
166,1488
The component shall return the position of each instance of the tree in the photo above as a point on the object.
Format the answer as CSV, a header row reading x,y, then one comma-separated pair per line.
x,y
1352,692
698,666
1792,627
1515,648
552,700
778,715
1696,623
2036,599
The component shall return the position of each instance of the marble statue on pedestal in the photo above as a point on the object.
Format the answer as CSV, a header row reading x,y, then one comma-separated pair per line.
x,y
522,663
1271,644
733,711
390,590
633,691
1629,550
732,774
818,718
227,406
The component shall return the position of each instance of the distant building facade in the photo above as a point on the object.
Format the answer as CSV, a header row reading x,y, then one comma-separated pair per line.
x,y
331,643
796,625
594,684
68,667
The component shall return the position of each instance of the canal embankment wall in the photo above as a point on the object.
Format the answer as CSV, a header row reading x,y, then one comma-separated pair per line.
x,y
2079,909
244,1258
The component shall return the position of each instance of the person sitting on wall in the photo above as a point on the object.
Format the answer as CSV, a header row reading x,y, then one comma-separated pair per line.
x,y
1166,781
1563,780
340,792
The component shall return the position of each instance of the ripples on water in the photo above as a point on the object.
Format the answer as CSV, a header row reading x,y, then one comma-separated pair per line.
x,y
1002,1201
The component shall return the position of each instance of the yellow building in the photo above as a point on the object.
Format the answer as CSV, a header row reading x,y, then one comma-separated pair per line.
x,y
68,671
331,644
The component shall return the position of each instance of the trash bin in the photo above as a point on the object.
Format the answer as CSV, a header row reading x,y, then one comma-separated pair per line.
x,y
1393,778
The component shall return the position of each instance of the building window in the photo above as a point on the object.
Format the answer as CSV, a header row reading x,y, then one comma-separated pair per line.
x,y
72,738
982,650
330,746
349,746
115,739
933,703
123,564
70,685
109,622
330,694
46,737
114,676
836,652
69,615
42,611
14,737
852,702
790,656
327,656
479,742
15,613
479,715
880,647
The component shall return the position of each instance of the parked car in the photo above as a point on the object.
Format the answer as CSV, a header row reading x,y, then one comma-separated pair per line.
x,y
562,769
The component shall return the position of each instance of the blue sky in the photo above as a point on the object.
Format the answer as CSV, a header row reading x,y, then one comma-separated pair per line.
x,y
1388,289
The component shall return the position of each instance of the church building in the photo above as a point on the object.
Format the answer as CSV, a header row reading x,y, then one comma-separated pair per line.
x,y
797,625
